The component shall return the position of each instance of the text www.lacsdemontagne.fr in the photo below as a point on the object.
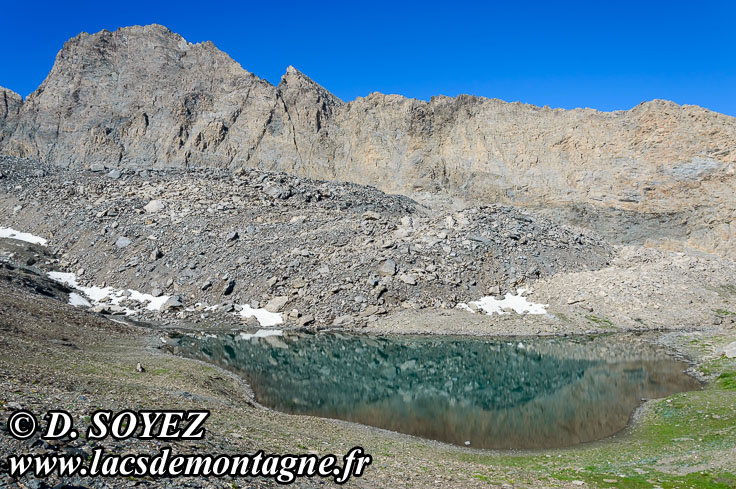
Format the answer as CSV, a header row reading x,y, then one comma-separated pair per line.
x,y
283,468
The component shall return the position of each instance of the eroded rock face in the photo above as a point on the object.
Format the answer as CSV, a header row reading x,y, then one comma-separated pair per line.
x,y
10,104
143,96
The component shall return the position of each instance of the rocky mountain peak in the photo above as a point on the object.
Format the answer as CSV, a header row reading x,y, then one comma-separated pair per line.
x,y
295,80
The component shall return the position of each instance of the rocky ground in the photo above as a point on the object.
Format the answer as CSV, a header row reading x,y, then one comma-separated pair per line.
x,y
642,289
334,254
323,253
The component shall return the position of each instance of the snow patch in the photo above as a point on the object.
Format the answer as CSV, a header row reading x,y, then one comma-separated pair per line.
x,y
154,303
77,300
65,278
115,297
517,303
27,237
264,317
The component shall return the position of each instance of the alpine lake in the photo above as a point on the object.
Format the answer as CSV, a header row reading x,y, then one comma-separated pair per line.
x,y
480,392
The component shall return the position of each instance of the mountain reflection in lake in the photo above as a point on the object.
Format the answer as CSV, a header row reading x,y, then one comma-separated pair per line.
x,y
496,394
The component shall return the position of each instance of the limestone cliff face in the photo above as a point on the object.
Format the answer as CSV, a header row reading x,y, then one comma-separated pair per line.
x,y
143,96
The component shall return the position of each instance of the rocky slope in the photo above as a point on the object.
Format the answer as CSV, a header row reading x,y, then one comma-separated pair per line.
x,y
144,97
335,253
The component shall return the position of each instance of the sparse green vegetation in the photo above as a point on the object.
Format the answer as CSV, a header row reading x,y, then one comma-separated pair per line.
x,y
727,380
724,312
481,477
601,321
698,480
562,317
730,289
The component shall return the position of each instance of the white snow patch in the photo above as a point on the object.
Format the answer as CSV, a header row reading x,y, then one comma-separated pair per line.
x,y
264,317
261,333
154,303
27,237
77,300
517,303
65,278
115,297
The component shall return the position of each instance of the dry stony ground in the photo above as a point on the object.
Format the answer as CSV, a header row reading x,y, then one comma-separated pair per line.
x,y
641,290
53,355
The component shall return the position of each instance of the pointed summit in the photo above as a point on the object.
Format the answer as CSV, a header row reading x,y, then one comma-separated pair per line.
x,y
294,79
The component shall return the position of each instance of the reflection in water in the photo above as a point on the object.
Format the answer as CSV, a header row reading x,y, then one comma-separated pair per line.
x,y
539,394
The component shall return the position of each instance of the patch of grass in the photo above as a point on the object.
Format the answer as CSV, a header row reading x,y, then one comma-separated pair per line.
x,y
158,371
602,480
727,380
704,480
724,312
601,321
481,477
715,366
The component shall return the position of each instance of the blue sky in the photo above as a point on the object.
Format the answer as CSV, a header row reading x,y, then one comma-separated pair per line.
x,y
603,54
